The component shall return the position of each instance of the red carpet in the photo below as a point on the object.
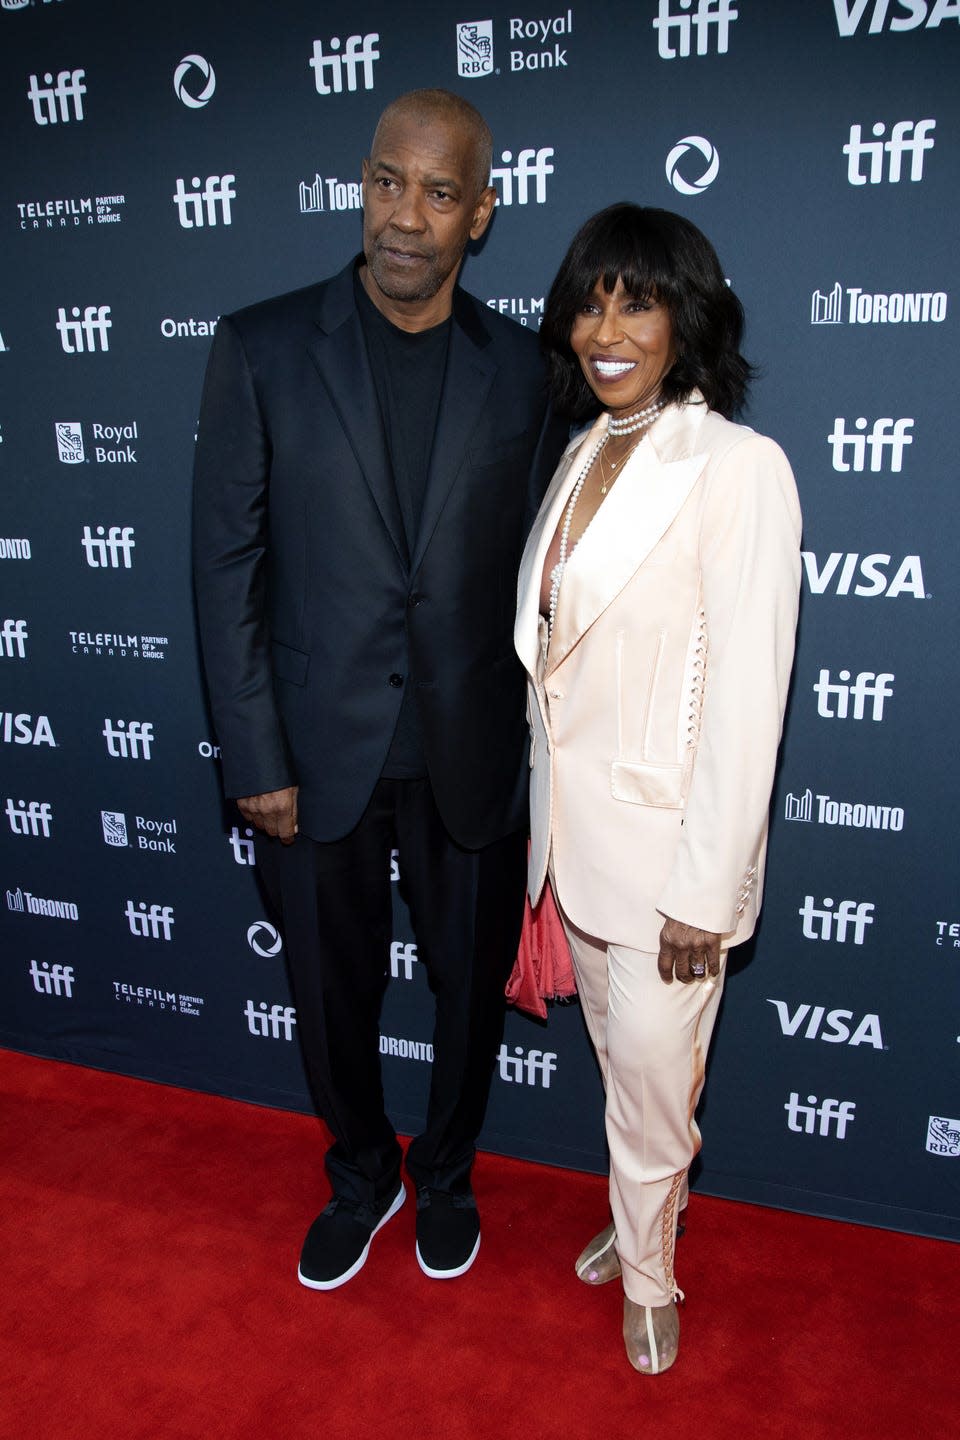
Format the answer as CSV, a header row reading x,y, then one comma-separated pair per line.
x,y
149,1293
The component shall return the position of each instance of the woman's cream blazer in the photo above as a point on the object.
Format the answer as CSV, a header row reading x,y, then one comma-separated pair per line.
x,y
656,711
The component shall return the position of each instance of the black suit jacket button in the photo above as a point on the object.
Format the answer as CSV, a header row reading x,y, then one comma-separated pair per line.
x,y
396,680
415,599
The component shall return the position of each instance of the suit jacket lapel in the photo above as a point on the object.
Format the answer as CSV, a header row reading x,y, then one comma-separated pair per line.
x,y
466,385
339,353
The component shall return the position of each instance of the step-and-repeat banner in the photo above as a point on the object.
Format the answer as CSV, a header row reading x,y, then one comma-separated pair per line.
x,y
167,162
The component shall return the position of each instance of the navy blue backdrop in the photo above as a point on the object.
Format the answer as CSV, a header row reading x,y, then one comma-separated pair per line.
x,y
167,163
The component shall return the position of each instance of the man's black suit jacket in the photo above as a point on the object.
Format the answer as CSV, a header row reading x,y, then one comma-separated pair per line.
x,y
313,615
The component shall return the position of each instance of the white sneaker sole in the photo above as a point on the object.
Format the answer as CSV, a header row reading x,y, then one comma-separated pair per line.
x,y
448,1274
358,1264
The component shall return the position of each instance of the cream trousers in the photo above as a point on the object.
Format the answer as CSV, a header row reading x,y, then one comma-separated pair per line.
x,y
651,1041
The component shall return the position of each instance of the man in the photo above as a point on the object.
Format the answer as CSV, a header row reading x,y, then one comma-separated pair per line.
x,y
371,453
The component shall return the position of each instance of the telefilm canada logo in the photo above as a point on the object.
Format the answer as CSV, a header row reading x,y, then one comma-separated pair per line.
x,y
686,173
676,28
118,645
866,307
71,212
525,310
152,997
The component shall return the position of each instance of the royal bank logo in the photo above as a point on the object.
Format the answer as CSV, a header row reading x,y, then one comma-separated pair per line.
x,y
109,549
13,640
403,957
128,739
206,203
908,139
943,1136
114,824
264,939
887,438
270,1022
25,729
69,435
531,166
52,979
864,307
149,922
835,1027
60,101
157,835
931,13
194,82
867,576
83,334
474,48
32,817
23,902
320,195
853,699
541,33
526,1067
710,19
692,165
150,997
836,921
845,813
355,64
820,1117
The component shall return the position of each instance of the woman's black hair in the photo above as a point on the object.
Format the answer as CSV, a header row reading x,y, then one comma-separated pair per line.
x,y
661,256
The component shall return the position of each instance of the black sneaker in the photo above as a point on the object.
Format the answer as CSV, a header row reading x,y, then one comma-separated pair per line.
x,y
338,1241
448,1232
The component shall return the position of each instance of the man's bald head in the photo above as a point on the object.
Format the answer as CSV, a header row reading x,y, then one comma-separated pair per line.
x,y
432,107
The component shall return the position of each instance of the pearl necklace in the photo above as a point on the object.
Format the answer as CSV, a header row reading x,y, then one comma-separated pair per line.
x,y
636,421
556,574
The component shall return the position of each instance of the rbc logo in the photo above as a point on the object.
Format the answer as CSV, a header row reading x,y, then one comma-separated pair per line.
x,y
360,52
70,441
474,48
902,142
114,824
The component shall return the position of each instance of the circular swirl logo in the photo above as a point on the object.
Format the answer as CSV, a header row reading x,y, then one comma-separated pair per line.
x,y
264,939
195,98
710,158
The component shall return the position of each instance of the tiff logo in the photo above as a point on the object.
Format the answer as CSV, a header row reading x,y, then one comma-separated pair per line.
x,y
402,959
51,103
533,1068
32,819
242,845
273,1023
104,551
867,686
531,165
881,438
708,14
901,143
192,207
79,336
361,52
52,979
128,740
803,1118
155,923
818,924
13,635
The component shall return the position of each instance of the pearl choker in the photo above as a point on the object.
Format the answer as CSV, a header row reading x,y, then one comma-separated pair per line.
x,y
636,421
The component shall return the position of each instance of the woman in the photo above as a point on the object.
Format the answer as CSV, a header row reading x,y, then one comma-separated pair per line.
x,y
657,609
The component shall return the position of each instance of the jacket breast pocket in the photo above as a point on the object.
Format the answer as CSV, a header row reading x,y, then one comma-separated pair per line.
x,y
289,664
645,783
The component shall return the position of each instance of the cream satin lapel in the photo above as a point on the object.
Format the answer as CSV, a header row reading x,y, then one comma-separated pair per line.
x,y
630,522
526,637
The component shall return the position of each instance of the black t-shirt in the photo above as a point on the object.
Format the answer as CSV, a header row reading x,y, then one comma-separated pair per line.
x,y
408,370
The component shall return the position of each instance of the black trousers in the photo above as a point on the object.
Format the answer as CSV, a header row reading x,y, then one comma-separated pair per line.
x,y
335,907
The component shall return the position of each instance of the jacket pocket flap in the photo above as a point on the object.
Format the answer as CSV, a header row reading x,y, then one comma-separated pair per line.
x,y
289,664
646,784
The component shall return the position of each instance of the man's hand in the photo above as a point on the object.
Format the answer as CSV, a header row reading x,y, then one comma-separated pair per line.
x,y
275,812
687,952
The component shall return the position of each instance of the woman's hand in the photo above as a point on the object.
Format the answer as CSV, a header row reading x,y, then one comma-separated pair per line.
x,y
687,952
